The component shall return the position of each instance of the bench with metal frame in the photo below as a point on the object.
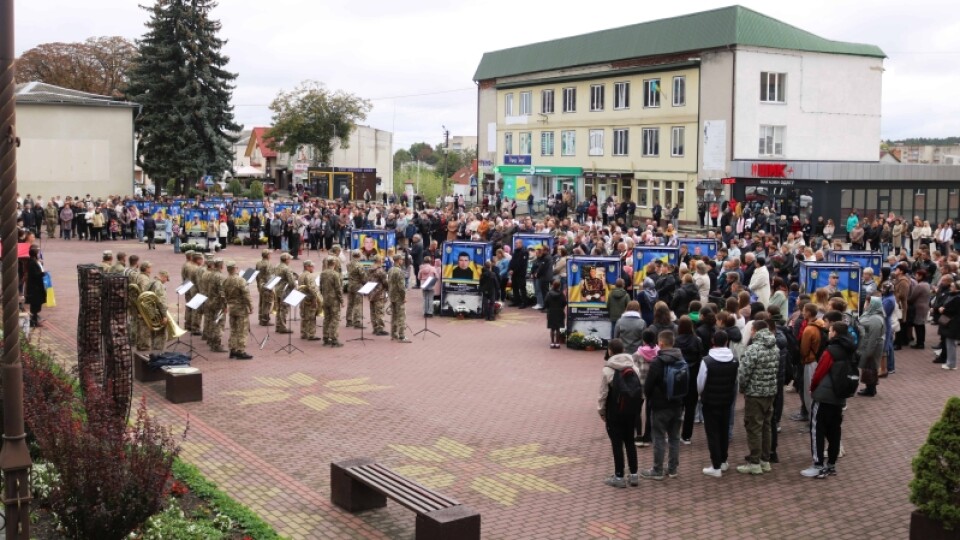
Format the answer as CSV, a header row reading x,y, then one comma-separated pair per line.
x,y
361,484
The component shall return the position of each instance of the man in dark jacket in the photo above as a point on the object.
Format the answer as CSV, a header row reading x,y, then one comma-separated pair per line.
x,y
543,273
518,275
255,225
665,414
489,287
717,385
416,253
149,229
827,413
666,283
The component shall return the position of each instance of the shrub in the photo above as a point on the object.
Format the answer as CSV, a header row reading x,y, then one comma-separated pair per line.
x,y
235,187
935,488
112,475
256,190
172,187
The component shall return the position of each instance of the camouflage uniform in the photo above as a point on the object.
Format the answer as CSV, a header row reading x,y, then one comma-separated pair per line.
x,y
398,296
51,216
287,284
199,281
144,333
158,338
186,274
265,270
378,299
355,279
331,287
132,314
214,316
117,268
240,307
307,284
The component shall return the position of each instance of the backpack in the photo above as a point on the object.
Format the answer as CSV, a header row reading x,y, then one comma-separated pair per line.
x,y
824,338
793,346
676,378
626,392
847,379
855,328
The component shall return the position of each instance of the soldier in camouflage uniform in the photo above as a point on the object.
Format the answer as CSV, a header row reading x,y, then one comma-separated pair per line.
x,y
240,307
378,295
106,265
307,284
287,283
214,314
331,287
133,273
202,263
51,216
265,274
158,338
356,277
186,274
121,265
398,296
144,333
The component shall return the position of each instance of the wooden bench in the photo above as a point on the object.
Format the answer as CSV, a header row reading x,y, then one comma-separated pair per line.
x,y
184,387
360,484
141,368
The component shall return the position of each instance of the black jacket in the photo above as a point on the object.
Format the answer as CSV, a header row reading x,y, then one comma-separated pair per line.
x,y
654,388
518,264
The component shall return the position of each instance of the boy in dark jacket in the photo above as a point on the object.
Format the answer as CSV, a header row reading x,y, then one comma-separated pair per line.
x,y
665,414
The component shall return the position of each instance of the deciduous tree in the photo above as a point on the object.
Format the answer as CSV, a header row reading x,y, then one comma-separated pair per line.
x,y
99,65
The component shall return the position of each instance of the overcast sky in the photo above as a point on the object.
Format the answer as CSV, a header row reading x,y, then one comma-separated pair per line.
x,y
415,60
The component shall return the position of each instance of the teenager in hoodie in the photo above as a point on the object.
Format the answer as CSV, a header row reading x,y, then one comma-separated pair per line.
x,y
692,349
619,424
717,386
871,350
629,328
826,416
665,413
647,298
617,301
644,357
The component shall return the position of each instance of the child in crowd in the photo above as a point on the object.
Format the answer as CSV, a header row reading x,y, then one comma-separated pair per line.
x,y
644,357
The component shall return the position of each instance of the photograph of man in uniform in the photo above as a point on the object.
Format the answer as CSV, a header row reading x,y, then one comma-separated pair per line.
x,y
593,288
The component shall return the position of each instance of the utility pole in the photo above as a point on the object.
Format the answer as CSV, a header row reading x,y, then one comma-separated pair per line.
x,y
14,457
446,148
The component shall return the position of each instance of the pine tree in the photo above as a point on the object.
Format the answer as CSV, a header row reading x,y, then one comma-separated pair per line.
x,y
181,82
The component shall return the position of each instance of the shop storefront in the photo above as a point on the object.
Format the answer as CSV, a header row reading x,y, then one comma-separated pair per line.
x,y
519,181
832,190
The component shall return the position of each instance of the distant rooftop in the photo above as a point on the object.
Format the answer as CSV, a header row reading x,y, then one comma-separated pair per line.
x,y
42,93
723,27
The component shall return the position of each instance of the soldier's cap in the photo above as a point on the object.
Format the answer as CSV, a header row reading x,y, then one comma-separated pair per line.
x,y
308,263
355,254
284,256
265,252
218,260
231,264
208,257
107,253
190,253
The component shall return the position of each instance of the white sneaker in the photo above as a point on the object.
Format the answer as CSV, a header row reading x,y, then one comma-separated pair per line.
x,y
811,471
948,367
710,471
724,466
765,466
538,306
685,441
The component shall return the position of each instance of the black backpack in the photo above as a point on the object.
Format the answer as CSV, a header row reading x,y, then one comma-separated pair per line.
x,y
847,378
676,378
626,392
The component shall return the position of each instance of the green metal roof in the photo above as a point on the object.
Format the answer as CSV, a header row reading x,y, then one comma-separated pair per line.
x,y
734,25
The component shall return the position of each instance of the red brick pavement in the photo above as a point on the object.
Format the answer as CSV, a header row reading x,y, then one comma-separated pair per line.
x,y
491,416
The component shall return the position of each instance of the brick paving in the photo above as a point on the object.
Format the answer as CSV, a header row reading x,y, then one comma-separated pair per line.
x,y
490,415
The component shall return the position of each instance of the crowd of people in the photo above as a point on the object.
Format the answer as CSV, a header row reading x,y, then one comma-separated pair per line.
x,y
737,323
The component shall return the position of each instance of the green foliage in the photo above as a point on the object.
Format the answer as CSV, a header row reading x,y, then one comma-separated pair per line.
x,y
431,182
173,187
400,157
424,153
203,488
935,488
256,190
183,87
311,115
173,523
932,141
235,187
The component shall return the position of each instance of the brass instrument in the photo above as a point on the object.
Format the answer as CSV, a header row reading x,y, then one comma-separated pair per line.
x,y
148,306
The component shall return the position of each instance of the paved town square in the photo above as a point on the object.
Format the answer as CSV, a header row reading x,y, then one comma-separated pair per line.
x,y
493,417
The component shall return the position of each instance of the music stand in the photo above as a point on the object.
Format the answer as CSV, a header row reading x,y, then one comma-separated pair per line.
x,y
364,292
270,286
181,290
293,300
427,284
194,304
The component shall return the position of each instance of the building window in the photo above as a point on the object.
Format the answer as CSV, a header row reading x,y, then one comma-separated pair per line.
x,y
655,188
596,97
568,143
626,189
526,103
621,142
621,95
596,142
651,142
526,143
773,87
681,193
771,140
546,143
676,141
668,194
508,143
679,91
570,99
508,104
546,101
651,92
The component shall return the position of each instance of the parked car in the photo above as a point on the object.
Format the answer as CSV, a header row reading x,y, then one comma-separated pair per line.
x,y
269,188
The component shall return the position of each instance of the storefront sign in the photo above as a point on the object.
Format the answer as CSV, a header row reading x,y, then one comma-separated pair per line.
x,y
728,181
609,175
768,182
516,160
771,170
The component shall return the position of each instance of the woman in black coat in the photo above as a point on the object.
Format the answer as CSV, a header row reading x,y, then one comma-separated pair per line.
x,y
35,294
692,349
555,304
